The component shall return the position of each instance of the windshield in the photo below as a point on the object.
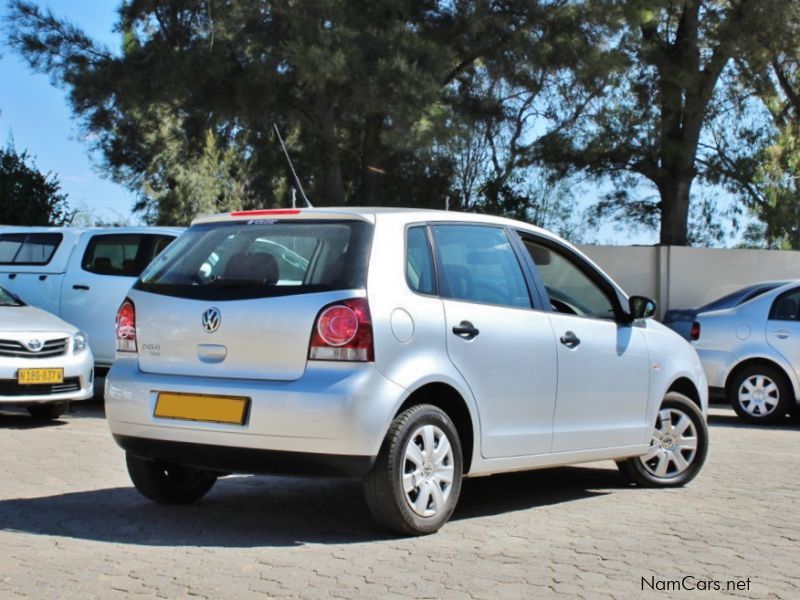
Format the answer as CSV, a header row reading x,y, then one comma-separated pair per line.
x,y
253,259
740,296
9,299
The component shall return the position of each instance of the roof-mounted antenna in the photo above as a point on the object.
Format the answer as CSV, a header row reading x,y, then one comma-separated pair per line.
x,y
291,166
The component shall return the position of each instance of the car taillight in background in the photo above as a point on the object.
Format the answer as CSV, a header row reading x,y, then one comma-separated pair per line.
x,y
126,327
695,331
343,331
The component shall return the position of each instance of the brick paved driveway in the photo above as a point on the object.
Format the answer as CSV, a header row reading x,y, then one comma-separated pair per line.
x,y
71,526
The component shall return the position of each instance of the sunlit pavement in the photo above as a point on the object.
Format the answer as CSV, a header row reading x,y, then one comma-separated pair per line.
x,y
71,526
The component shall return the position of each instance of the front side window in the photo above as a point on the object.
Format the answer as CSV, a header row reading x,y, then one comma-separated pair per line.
x,y
123,255
569,288
478,264
253,259
786,307
28,248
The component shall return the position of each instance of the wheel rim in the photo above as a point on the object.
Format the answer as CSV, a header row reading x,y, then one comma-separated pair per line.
x,y
759,396
674,444
427,475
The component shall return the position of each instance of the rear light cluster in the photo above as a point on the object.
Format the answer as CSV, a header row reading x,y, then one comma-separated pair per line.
x,y
126,327
343,331
695,331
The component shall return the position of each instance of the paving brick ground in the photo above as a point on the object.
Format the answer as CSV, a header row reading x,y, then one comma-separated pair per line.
x,y
71,526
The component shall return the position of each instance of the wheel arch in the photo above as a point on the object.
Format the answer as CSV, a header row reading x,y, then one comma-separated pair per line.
x,y
762,361
448,399
685,386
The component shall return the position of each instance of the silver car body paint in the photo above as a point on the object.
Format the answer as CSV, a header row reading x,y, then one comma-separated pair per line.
x,y
508,377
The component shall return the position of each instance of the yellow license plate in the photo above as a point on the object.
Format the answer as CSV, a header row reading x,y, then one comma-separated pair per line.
x,y
197,407
37,376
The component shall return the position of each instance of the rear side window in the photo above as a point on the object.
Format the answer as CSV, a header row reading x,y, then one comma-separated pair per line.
x,y
253,259
419,262
122,254
786,307
478,264
28,248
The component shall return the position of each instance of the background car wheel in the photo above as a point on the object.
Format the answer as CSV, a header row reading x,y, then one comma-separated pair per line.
x,y
169,484
415,482
760,394
678,448
48,412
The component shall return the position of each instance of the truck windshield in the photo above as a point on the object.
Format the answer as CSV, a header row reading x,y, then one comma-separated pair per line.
x,y
253,259
9,299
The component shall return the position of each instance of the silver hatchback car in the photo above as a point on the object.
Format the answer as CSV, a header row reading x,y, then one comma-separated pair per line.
x,y
751,354
409,348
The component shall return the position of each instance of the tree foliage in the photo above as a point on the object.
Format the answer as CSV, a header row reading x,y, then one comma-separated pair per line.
x,y
28,196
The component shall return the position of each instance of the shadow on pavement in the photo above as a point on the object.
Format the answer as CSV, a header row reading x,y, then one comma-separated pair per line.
x,y
20,419
791,423
275,511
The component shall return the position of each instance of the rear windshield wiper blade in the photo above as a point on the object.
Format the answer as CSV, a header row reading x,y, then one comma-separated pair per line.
x,y
222,282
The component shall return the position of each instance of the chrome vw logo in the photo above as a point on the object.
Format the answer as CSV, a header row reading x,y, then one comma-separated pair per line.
x,y
211,319
34,345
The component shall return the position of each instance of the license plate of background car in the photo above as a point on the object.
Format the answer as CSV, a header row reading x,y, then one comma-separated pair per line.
x,y
197,407
40,376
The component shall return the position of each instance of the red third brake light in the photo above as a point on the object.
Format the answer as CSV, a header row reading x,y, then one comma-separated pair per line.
x,y
695,332
126,327
343,331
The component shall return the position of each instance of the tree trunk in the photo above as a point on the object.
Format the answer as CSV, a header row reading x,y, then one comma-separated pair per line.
x,y
371,170
675,209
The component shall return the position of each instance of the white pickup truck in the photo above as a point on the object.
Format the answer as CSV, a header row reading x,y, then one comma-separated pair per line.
x,y
81,275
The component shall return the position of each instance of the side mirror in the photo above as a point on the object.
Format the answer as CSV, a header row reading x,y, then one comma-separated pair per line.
x,y
641,307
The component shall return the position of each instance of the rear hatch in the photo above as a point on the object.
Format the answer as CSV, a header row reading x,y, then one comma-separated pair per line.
x,y
238,299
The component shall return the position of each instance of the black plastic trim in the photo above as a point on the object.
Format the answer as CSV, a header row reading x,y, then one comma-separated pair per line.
x,y
228,459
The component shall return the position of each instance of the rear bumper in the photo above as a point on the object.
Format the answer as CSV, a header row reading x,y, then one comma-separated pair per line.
x,y
229,459
336,409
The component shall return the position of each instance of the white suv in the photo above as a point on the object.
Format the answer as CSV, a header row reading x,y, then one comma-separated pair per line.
x,y
408,347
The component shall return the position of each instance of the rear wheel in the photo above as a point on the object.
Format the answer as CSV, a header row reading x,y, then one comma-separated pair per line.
x,y
678,447
760,394
413,487
167,483
48,412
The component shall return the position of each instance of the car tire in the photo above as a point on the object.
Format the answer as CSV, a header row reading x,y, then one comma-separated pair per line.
x,y
168,484
775,396
414,484
48,412
678,447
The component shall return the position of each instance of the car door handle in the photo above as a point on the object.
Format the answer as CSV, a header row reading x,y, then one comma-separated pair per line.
x,y
80,287
465,330
782,333
570,340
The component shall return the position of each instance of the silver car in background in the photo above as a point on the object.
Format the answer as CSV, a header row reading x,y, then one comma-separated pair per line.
x,y
751,353
45,363
409,348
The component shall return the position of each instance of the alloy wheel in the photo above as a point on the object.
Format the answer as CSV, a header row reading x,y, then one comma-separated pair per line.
x,y
427,474
674,444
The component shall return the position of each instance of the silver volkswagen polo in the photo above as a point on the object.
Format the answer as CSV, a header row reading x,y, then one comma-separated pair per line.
x,y
409,348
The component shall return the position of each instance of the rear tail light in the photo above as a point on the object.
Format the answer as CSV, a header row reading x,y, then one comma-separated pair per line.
x,y
343,331
126,327
695,331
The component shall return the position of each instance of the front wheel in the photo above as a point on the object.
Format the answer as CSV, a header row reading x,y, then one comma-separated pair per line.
x,y
168,483
413,487
678,447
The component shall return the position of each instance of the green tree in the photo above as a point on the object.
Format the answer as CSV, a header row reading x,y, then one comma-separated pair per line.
x,y
28,196
369,93
659,99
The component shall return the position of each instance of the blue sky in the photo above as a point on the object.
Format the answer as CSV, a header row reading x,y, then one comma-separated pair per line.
x,y
36,114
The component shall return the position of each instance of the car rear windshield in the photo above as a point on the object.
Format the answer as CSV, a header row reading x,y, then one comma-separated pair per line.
x,y
28,248
254,259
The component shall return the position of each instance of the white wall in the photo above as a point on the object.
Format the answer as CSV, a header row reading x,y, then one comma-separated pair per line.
x,y
680,277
